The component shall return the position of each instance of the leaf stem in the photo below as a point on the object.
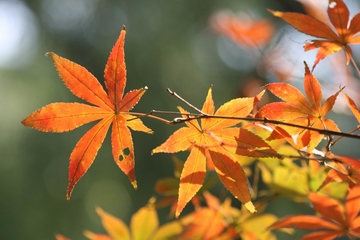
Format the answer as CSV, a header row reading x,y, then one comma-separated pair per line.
x,y
149,115
355,65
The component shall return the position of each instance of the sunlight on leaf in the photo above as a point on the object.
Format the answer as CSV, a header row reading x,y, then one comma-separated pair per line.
x,y
112,107
346,30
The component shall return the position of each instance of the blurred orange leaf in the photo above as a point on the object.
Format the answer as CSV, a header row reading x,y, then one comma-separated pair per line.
x,y
61,237
208,222
334,41
111,107
243,31
337,219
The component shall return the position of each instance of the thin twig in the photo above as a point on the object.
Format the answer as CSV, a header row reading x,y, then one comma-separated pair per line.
x,y
265,120
352,131
355,65
149,115
193,116
174,113
186,102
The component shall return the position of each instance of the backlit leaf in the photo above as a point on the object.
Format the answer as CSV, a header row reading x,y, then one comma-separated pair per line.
x,y
297,109
192,177
337,220
215,141
111,107
116,228
144,222
332,42
352,105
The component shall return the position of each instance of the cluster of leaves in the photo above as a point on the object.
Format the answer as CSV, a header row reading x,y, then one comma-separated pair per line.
x,y
273,140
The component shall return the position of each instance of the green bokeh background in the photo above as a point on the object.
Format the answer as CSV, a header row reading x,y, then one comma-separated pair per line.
x,y
169,44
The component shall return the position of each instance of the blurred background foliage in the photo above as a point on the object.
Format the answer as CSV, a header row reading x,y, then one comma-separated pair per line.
x,y
169,44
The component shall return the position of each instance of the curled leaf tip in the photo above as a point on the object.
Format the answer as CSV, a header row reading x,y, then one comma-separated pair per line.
x,y
152,200
134,183
307,70
250,206
49,54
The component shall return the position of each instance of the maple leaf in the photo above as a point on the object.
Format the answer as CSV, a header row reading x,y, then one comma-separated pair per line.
x,y
337,219
333,41
354,109
216,140
348,171
208,222
168,187
298,109
112,108
341,174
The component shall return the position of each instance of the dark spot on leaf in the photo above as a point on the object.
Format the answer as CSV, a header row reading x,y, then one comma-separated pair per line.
x,y
126,151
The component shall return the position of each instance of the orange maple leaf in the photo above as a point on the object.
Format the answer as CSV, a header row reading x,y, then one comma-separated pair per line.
x,y
298,109
208,222
337,219
354,109
348,171
168,188
333,41
112,108
216,140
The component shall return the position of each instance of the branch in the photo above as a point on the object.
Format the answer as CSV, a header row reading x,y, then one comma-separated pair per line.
x,y
196,116
186,102
265,120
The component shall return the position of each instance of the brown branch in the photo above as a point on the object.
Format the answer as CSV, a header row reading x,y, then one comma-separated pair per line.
x,y
195,116
265,121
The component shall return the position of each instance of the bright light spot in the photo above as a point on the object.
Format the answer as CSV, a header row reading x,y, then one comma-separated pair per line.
x,y
68,14
110,195
234,56
18,34
332,5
